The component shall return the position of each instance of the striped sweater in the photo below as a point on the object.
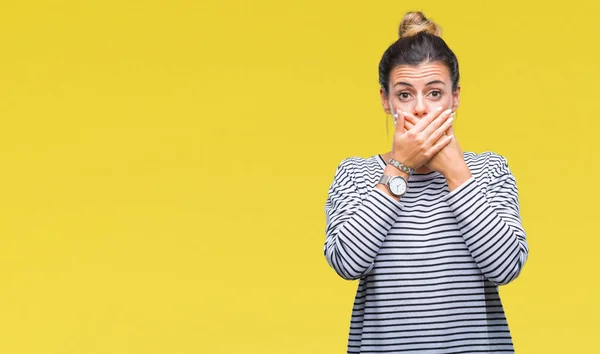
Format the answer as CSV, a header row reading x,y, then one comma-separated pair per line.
x,y
429,265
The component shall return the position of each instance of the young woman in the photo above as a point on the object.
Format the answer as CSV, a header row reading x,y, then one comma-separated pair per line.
x,y
430,231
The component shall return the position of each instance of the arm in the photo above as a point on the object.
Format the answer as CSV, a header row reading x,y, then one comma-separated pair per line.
x,y
355,228
491,224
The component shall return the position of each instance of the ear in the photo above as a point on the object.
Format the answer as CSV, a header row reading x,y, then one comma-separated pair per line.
x,y
456,99
384,101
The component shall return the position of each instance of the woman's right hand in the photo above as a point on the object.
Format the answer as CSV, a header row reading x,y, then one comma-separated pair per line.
x,y
414,147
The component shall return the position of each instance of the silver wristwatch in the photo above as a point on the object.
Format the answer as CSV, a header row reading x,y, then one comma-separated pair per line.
x,y
396,184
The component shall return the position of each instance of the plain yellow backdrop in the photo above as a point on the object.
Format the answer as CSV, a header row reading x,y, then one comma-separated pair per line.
x,y
165,166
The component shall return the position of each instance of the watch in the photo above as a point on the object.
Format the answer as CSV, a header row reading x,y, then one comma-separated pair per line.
x,y
396,184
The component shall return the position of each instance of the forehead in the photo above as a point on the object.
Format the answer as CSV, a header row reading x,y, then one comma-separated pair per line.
x,y
418,73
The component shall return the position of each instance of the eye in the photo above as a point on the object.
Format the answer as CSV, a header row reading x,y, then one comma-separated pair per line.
x,y
436,93
403,95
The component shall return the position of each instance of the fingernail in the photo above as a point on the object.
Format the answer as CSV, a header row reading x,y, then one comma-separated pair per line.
x,y
452,115
395,115
449,110
450,119
440,108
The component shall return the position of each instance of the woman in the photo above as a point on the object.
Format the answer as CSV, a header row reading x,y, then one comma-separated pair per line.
x,y
430,231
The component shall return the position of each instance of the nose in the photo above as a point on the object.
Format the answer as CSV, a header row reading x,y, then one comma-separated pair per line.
x,y
420,109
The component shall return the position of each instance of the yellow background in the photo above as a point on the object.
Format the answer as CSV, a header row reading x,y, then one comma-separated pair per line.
x,y
165,166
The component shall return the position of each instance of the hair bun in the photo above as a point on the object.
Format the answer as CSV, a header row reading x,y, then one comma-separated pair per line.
x,y
415,22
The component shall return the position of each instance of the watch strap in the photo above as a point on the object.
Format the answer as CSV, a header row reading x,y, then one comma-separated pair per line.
x,y
384,179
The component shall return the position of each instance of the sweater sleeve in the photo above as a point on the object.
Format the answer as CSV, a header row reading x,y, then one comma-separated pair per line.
x,y
490,222
355,227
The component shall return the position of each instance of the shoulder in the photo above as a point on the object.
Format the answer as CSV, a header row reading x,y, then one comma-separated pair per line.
x,y
486,163
358,165
489,169
360,172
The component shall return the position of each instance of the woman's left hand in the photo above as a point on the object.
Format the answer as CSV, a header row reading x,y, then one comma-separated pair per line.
x,y
450,158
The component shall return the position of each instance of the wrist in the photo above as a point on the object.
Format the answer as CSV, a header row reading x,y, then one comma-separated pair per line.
x,y
393,171
400,165
395,184
386,190
457,175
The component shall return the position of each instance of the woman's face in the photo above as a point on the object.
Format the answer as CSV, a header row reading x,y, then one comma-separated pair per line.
x,y
420,89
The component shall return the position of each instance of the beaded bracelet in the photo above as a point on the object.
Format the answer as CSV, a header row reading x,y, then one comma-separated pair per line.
x,y
402,167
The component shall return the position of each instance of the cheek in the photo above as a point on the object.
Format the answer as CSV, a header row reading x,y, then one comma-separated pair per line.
x,y
446,102
403,105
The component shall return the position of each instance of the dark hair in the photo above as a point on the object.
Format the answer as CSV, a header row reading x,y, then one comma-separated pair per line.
x,y
418,42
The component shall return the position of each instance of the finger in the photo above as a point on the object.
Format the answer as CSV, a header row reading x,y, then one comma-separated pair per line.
x,y
424,122
408,125
442,130
442,143
399,121
410,118
437,122
451,129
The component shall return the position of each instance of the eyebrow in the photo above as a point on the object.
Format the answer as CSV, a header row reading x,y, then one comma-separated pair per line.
x,y
427,84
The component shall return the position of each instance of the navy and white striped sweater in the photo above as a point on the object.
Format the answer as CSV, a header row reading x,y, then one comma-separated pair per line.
x,y
430,264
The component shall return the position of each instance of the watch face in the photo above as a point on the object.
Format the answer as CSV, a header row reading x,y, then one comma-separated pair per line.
x,y
397,185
